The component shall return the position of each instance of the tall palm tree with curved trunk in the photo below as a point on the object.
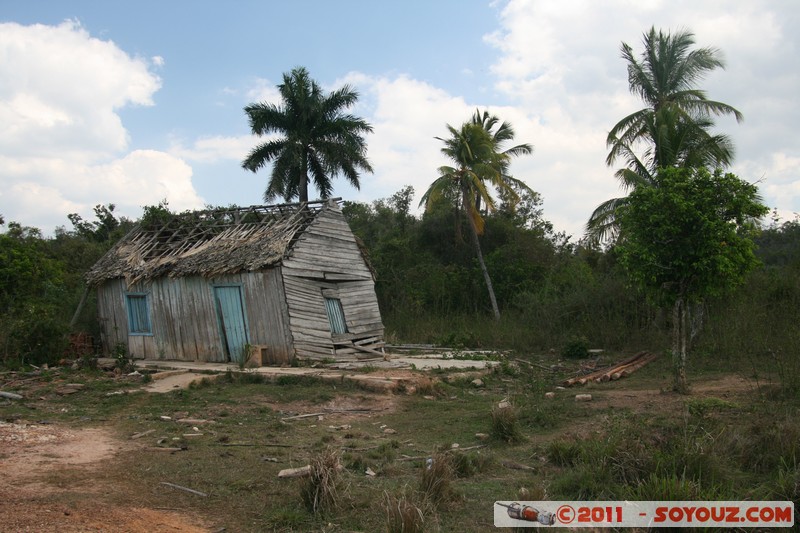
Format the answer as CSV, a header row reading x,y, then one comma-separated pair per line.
x,y
478,164
316,140
672,130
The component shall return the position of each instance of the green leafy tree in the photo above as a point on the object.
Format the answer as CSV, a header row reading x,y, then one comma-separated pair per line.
x,y
315,138
479,164
686,238
672,130
31,298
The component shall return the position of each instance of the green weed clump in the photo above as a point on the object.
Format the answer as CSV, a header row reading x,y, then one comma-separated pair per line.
x,y
505,424
466,465
576,348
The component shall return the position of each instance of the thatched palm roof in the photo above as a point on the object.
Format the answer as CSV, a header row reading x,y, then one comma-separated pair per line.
x,y
206,243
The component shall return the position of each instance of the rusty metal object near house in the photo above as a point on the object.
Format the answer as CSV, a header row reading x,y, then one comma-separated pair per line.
x,y
613,372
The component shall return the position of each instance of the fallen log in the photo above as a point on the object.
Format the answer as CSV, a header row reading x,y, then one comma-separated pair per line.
x,y
607,374
10,395
626,370
597,374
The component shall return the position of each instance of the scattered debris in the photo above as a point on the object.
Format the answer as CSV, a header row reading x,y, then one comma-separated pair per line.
x,y
481,436
10,395
478,382
613,372
339,428
389,431
298,417
518,466
191,491
69,388
123,392
550,395
295,472
583,397
369,472
249,444
142,434
537,365
193,421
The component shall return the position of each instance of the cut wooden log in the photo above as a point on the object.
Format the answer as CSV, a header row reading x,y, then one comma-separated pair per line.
x,y
295,472
627,369
607,373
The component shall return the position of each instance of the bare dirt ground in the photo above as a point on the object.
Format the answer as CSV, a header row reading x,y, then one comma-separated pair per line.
x,y
54,480
58,479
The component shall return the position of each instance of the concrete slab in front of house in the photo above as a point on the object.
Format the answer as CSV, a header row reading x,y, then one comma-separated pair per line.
x,y
172,375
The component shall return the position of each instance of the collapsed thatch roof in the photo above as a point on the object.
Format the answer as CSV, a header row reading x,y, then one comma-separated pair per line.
x,y
206,243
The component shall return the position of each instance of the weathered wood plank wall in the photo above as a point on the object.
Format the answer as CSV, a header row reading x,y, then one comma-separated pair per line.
x,y
327,258
184,319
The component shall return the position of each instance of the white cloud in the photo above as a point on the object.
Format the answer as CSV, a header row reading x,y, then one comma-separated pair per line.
x,y
560,66
262,90
216,148
406,116
62,142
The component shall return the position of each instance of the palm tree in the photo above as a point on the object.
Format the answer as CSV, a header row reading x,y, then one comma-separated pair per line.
x,y
674,126
316,139
478,163
500,134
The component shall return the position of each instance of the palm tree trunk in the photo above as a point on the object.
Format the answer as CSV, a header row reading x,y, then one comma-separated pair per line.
x,y
302,189
486,277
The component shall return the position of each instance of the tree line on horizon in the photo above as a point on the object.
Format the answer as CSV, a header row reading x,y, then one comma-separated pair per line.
x,y
512,263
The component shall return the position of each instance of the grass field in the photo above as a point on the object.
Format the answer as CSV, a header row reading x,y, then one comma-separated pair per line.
x,y
441,456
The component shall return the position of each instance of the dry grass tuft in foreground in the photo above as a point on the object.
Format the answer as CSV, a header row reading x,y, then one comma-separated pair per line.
x,y
319,489
403,515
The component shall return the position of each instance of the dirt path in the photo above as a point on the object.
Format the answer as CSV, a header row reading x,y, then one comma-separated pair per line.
x,y
53,480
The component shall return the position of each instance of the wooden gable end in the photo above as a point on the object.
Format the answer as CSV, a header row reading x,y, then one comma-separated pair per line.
x,y
326,264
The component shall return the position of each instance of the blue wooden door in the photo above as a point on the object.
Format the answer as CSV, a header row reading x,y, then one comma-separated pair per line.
x,y
230,313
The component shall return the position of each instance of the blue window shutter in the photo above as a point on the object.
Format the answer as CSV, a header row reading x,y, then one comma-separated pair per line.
x,y
333,306
138,314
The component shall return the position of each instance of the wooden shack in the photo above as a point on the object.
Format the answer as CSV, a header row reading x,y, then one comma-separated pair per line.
x,y
220,285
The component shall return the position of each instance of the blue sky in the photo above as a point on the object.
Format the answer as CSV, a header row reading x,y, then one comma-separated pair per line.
x,y
130,103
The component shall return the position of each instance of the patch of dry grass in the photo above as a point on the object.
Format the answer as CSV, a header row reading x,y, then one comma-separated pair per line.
x,y
319,490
